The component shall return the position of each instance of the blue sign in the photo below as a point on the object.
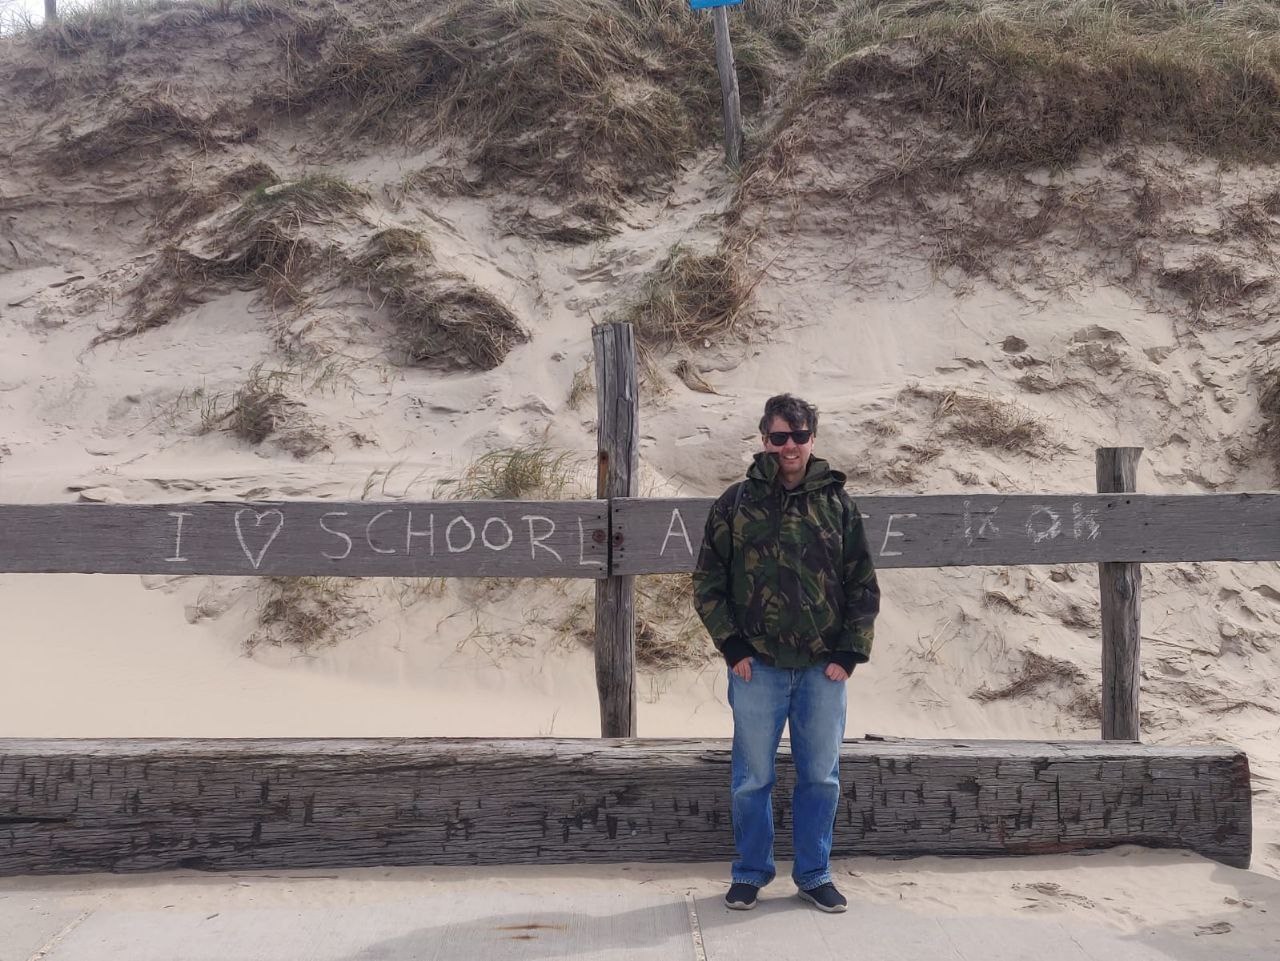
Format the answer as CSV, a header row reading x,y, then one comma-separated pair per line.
x,y
705,4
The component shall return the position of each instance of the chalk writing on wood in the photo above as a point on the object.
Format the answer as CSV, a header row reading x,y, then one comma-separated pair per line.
x,y
480,538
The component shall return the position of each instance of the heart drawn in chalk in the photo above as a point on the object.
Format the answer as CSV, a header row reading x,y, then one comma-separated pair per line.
x,y
258,518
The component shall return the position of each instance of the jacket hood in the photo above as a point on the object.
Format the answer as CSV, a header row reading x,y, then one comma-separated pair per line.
x,y
818,473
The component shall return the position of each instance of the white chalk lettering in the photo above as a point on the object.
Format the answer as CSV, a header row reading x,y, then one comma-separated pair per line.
x,y
1047,533
368,534
890,532
256,560
535,541
484,534
1080,518
582,548
429,534
330,530
177,537
986,522
671,532
448,535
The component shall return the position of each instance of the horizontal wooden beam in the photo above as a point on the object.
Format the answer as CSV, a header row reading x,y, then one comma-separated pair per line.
x,y
350,539
131,805
653,535
650,535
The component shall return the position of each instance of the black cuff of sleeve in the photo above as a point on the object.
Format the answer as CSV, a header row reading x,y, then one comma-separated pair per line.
x,y
846,659
735,650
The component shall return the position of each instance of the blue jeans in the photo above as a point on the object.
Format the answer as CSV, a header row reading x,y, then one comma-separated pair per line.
x,y
814,705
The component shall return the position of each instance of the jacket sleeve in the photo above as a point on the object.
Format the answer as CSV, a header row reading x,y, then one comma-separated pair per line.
x,y
713,585
861,591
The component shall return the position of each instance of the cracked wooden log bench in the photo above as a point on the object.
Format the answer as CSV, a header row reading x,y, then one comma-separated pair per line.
x,y
88,805
132,805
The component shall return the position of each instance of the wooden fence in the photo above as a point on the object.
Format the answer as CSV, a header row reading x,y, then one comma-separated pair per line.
x,y
90,805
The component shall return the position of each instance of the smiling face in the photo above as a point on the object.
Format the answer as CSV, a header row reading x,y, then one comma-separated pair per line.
x,y
793,458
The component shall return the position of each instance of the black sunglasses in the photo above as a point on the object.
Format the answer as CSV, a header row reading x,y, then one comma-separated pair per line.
x,y
779,437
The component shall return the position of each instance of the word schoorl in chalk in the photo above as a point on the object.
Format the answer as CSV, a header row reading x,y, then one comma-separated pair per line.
x,y
401,531
708,4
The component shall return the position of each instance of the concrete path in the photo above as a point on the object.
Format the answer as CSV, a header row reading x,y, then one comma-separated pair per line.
x,y
635,912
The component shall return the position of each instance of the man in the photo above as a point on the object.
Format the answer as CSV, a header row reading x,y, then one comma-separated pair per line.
x,y
786,588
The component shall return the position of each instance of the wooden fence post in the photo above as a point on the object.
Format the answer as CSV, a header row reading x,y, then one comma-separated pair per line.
x,y
1121,587
51,11
618,405
728,89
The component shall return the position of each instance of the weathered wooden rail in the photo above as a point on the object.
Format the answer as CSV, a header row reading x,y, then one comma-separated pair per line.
x,y
624,536
68,806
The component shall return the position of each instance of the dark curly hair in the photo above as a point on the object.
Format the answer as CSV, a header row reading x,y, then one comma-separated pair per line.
x,y
799,414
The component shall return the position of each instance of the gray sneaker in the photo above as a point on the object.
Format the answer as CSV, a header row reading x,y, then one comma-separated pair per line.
x,y
825,897
741,896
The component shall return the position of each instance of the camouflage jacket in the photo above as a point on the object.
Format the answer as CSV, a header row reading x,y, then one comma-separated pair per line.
x,y
788,573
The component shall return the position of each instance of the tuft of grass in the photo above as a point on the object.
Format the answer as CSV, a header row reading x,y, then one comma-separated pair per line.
x,y
579,223
512,473
259,409
983,421
1209,283
583,383
1255,219
1035,672
668,631
304,613
443,319
315,198
254,411
691,298
183,209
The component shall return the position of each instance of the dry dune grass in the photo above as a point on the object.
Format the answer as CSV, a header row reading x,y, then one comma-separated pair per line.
x,y
1035,84
281,239
982,420
260,409
958,109
305,613
1038,675
146,122
114,27
184,206
691,298
523,471
581,222
611,94
262,244
443,320
1208,283
668,632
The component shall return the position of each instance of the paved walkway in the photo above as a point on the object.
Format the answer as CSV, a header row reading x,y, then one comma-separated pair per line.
x,y
635,912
